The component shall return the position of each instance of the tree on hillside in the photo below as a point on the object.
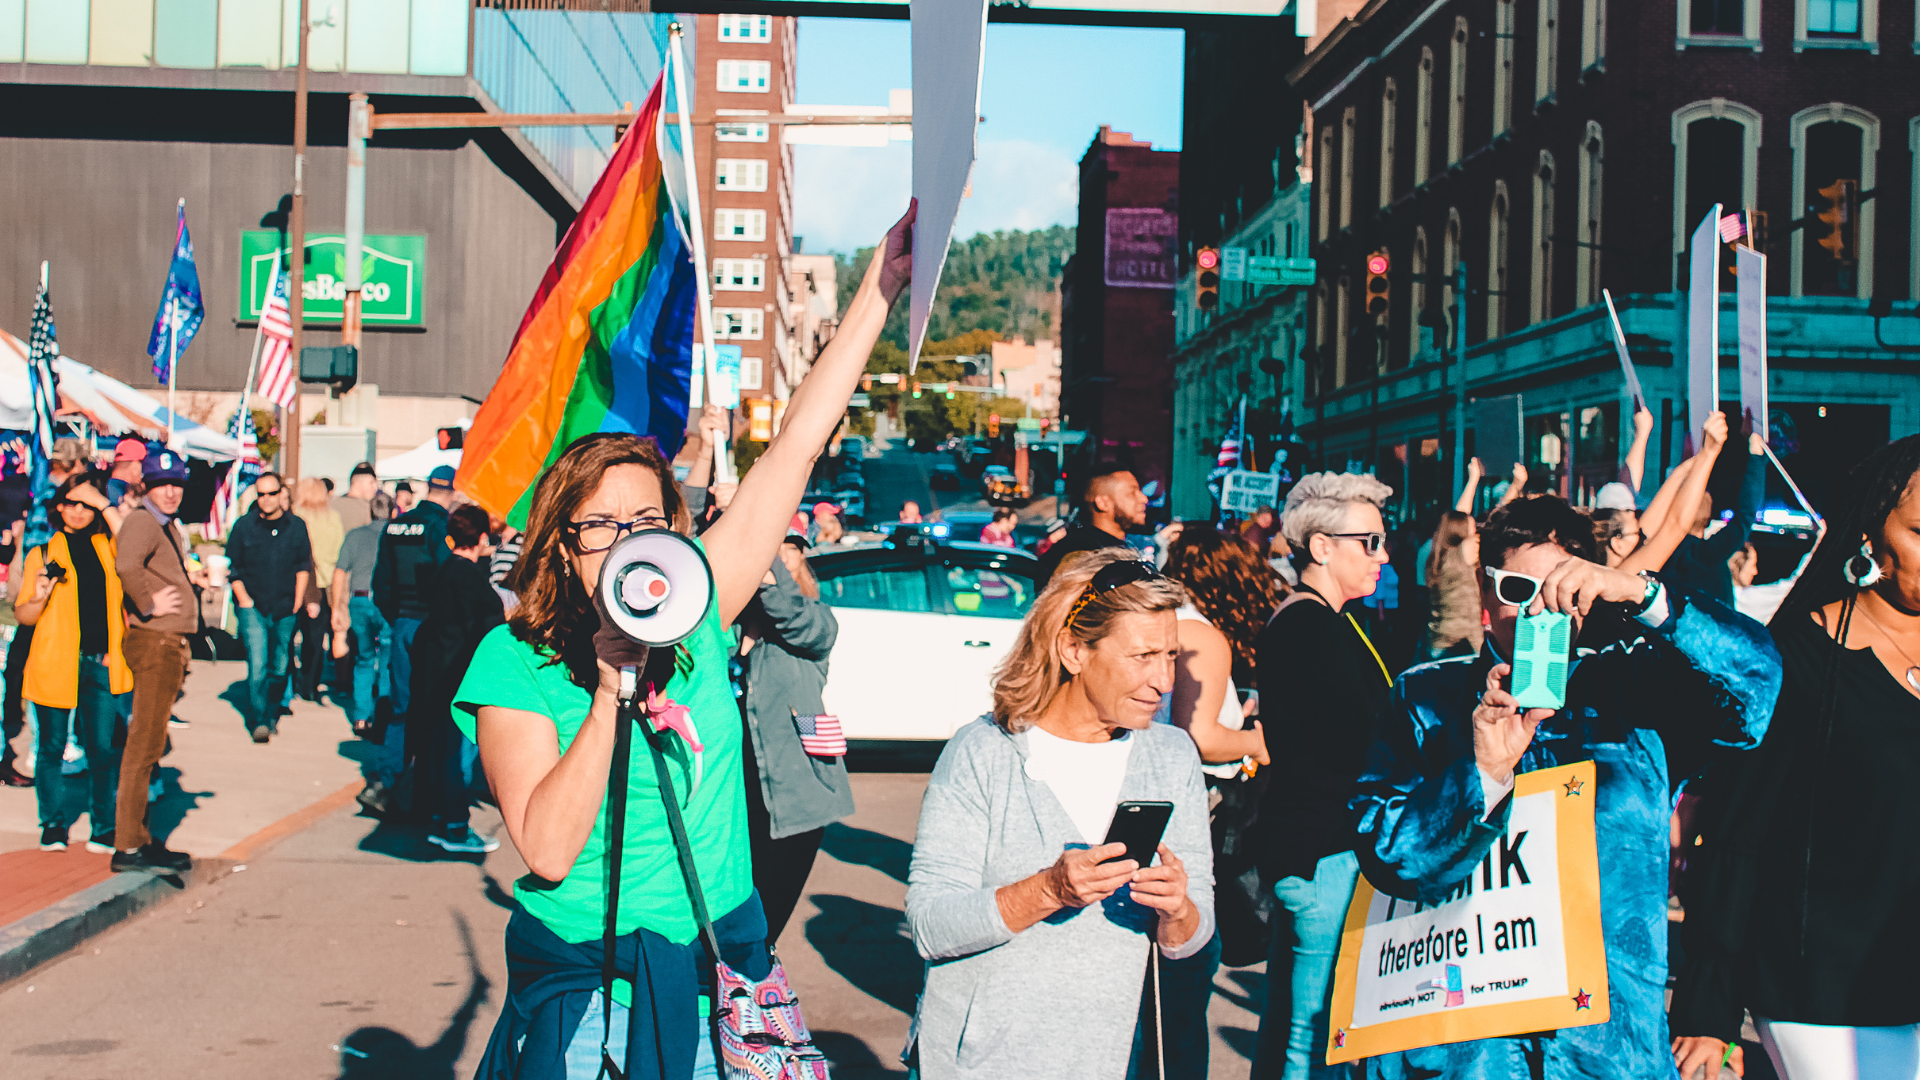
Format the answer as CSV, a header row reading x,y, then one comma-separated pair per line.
x,y
1004,282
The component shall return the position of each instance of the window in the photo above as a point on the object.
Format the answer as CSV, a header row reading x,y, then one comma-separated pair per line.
x,y
1586,258
1831,143
1593,35
752,373
1836,24
1457,86
746,28
993,594
1497,262
888,589
739,324
1839,18
1450,261
1387,103
1719,17
1913,219
1322,335
1540,294
1716,155
745,274
740,174
1324,159
1421,338
1346,166
1546,71
1423,118
739,224
1342,313
1720,23
740,132
744,76
1502,66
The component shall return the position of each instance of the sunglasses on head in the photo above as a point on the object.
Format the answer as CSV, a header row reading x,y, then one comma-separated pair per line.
x,y
1515,589
1374,541
1110,577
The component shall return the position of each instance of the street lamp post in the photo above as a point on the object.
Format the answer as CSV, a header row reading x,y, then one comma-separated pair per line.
x,y
1460,384
296,250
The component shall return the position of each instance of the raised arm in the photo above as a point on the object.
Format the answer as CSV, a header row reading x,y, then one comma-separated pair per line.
x,y
1635,468
1464,503
1660,538
1516,487
741,546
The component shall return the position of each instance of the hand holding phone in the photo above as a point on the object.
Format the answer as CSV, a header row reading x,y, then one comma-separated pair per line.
x,y
1542,648
1139,825
1501,731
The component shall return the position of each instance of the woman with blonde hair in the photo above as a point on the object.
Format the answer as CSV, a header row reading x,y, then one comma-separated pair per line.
x,y
1453,581
1031,921
313,504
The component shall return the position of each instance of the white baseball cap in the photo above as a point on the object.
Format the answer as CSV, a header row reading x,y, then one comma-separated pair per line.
x,y
1614,496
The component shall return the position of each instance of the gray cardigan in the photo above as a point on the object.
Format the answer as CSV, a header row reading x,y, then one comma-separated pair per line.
x,y
784,673
1059,999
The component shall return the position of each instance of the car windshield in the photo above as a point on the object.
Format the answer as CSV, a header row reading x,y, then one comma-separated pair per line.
x,y
894,588
994,594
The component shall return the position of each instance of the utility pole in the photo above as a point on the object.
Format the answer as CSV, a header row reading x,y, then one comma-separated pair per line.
x,y
297,250
358,129
1460,383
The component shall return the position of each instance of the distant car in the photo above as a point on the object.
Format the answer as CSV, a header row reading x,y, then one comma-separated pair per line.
x,y
853,503
850,479
1002,487
923,624
944,476
965,524
853,447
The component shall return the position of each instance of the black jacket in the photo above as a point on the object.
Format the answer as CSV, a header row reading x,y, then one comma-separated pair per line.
x,y
413,544
265,557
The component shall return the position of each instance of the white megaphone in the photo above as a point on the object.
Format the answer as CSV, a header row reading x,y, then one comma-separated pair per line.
x,y
656,586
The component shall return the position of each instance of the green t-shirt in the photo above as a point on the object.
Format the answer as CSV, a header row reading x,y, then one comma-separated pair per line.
x,y
511,674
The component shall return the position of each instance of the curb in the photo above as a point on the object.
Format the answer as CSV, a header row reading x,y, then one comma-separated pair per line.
x,y
52,931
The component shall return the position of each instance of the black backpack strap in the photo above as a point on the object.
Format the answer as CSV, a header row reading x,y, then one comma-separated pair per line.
x,y
684,849
616,835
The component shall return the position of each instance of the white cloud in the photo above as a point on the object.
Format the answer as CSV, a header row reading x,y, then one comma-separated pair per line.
x,y
846,197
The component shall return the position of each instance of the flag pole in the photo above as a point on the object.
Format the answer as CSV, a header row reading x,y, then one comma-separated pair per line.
x,y
173,360
677,60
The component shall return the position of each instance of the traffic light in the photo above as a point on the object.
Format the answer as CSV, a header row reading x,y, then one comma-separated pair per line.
x,y
866,382
452,438
948,389
1379,287
1757,231
916,388
1206,279
1842,218
993,425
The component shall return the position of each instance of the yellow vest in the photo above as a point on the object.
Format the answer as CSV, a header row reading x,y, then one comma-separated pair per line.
x,y
53,663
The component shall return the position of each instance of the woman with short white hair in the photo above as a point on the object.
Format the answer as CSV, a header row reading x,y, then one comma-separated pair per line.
x,y
1321,682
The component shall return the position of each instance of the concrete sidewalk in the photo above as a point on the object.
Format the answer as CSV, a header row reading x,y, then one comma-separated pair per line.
x,y
223,798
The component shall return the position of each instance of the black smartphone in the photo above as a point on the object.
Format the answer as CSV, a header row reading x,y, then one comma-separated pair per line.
x,y
1139,826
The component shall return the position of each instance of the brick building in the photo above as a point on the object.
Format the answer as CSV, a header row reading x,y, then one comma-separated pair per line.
x,y
744,75
1560,146
1117,306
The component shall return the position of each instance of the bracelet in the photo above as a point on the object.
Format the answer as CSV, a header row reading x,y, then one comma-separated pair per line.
x,y
1646,601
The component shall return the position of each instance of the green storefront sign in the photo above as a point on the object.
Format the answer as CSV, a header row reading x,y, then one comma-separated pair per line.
x,y
393,269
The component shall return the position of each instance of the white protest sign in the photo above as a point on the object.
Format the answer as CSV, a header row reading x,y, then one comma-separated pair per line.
x,y
1515,947
1626,362
949,40
1751,268
1703,327
1243,492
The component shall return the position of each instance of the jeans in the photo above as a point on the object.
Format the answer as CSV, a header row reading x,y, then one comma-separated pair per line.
x,y
1306,941
1186,989
583,1053
93,719
388,764
268,639
372,639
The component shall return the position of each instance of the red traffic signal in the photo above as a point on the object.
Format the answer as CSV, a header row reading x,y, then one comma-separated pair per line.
x,y
1377,263
1206,279
1208,258
1379,286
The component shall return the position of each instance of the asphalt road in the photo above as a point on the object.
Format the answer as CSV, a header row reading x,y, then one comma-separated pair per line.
x,y
354,938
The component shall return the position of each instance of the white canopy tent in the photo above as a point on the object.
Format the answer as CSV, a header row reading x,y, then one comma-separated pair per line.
x,y
416,463
109,405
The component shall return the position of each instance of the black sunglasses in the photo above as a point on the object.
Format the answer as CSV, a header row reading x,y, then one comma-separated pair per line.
x,y
1112,576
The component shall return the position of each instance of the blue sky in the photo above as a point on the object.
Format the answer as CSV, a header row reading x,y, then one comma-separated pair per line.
x,y
1046,92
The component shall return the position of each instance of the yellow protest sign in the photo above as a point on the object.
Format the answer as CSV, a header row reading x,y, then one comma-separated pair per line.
x,y
1516,947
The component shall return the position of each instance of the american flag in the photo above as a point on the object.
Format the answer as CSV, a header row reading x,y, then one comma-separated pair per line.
x,y
820,734
1732,227
277,376
246,469
42,347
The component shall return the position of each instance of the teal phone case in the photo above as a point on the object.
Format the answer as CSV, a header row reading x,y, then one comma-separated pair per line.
x,y
1541,650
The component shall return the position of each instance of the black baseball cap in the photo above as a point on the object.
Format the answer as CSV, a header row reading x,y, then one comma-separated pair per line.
x,y
365,468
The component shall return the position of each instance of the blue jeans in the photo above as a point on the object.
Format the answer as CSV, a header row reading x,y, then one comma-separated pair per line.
x,y
392,759
372,639
1306,941
583,1053
93,721
269,640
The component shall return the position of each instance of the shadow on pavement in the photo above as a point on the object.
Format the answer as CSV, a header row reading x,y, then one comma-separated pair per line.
x,y
867,945
863,847
359,751
236,695
409,842
174,804
852,1058
497,895
376,1053
1253,990
1241,1040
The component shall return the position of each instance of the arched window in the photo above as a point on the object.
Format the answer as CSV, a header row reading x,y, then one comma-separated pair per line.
x,y
1913,215
1389,93
1593,35
1346,166
1322,338
1342,319
1831,143
1416,325
1497,262
1502,66
1716,159
1450,260
1586,259
1546,53
1423,118
1457,88
1540,291
1323,168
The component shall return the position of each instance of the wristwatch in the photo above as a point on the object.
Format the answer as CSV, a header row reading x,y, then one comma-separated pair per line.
x,y
1646,601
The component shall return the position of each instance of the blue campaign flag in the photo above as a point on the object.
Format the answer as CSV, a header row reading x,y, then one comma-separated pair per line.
x,y
181,310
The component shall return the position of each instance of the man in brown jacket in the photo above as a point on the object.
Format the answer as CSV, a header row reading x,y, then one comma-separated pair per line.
x,y
151,562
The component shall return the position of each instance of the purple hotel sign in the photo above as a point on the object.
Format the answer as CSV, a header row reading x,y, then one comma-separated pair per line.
x,y
1140,246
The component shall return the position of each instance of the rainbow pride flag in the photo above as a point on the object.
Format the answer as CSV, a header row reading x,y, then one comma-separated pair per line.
x,y
606,344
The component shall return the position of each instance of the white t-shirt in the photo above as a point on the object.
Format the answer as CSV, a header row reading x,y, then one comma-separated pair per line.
x,y
1085,777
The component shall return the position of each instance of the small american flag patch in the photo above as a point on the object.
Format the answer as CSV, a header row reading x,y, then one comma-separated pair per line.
x,y
820,735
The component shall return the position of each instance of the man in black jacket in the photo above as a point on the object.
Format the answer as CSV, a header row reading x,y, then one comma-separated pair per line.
x,y
1115,504
462,607
271,559
413,546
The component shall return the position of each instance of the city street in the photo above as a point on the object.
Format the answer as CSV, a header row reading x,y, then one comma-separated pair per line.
x,y
356,949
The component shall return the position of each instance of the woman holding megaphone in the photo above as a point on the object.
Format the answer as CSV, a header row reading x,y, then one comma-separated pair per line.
x,y
552,696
